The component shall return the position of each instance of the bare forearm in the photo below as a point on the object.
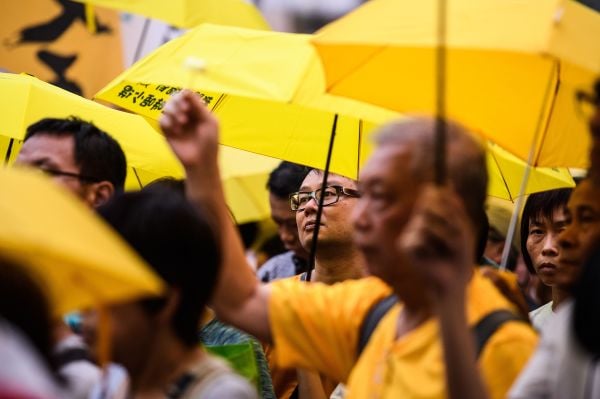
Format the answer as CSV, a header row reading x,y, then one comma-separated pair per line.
x,y
237,299
463,379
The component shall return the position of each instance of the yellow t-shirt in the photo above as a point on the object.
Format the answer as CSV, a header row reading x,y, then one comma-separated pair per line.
x,y
316,327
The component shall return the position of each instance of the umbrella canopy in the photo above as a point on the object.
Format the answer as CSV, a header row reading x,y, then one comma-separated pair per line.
x,y
79,260
267,89
148,154
296,124
506,172
189,13
28,99
512,67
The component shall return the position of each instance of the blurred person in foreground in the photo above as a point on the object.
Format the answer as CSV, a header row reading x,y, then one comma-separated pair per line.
x,y
156,339
89,163
317,326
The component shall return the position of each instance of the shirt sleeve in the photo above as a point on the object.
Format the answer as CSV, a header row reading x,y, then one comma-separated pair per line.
x,y
316,327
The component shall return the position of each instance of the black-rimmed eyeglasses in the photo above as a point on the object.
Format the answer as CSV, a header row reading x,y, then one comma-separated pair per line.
x,y
56,172
331,195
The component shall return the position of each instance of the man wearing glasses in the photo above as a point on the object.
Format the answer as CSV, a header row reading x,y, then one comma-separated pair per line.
x,y
79,156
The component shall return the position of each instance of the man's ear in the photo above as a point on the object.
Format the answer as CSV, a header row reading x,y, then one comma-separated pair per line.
x,y
99,193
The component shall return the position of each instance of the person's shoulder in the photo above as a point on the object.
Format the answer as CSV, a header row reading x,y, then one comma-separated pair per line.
x,y
215,379
229,385
279,266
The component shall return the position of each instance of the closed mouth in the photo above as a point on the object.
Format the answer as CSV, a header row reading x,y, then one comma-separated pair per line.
x,y
547,266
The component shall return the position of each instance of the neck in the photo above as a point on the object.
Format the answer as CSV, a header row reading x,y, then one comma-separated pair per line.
x,y
166,362
410,319
332,265
558,296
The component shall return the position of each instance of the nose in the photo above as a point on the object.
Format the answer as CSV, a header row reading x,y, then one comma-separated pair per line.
x,y
550,247
567,238
311,206
359,216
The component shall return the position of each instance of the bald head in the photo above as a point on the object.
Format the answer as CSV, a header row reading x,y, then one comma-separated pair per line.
x,y
465,161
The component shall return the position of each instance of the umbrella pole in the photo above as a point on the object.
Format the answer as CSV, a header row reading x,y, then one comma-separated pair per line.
x,y
440,121
549,95
141,41
8,152
514,218
313,247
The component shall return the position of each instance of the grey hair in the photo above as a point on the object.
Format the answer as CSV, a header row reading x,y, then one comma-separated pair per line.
x,y
465,162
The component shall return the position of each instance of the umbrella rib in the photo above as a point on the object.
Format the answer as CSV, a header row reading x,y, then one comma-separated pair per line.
x,y
544,133
510,197
360,133
137,177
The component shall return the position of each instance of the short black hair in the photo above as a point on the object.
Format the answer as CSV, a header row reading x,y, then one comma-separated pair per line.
x,y
540,206
97,154
178,241
286,179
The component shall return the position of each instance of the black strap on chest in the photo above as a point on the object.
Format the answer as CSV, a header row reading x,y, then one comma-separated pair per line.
x,y
178,388
71,355
482,331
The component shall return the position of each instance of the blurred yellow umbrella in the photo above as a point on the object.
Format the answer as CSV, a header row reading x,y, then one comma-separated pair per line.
x,y
189,13
512,67
267,89
149,157
255,66
27,99
80,260
506,172
245,178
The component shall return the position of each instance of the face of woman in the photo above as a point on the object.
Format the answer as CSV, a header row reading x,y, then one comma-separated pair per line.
x,y
543,246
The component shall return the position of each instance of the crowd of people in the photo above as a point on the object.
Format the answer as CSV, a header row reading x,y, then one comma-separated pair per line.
x,y
405,298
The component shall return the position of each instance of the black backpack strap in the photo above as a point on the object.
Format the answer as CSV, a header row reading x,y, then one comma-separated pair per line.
x,y
488,325
71,355
369,324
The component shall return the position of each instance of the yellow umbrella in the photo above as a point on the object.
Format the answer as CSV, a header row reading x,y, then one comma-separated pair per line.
x,y
506,172
189,13
245,178
80,260
512,67
255,66
267,89
149,157
27,100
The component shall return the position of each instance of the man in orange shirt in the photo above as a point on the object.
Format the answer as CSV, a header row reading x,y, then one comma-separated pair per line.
x,y
414,236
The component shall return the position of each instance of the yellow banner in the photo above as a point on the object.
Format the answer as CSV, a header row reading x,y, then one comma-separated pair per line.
x,y
51,40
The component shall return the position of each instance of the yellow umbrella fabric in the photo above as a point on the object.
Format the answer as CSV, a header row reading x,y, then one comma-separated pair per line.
x,y
255,66
506,173
27,99
189,13
245,176
267,89
80,260
512,67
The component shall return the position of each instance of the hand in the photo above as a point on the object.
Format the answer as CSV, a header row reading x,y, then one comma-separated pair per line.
x,y
439,242
191,130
